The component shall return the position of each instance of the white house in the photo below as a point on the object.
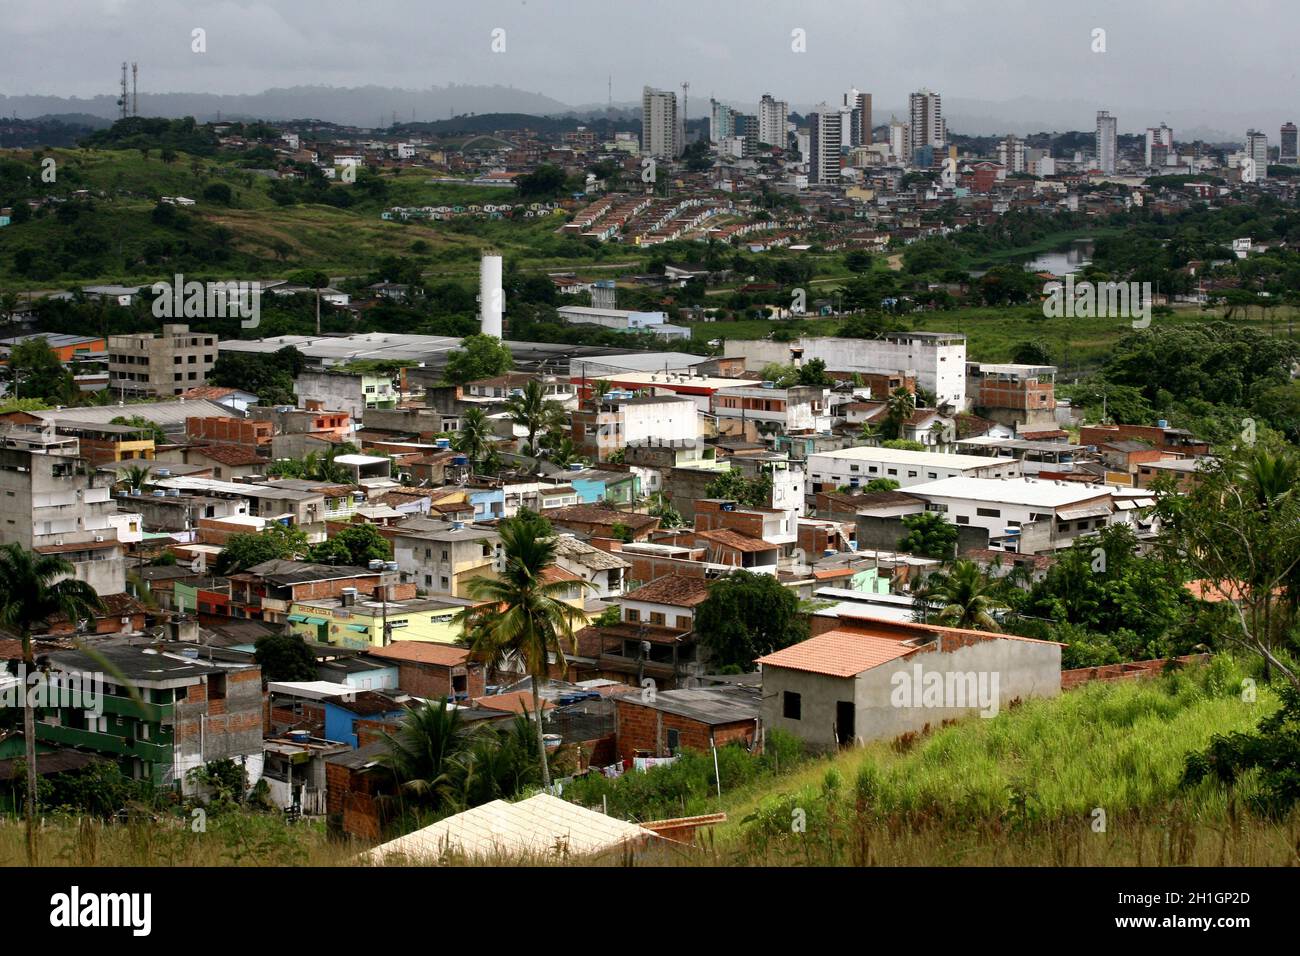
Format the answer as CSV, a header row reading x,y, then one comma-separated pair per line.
x,y
857,466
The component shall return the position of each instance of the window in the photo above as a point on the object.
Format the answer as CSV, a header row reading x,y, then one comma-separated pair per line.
x,y
657,617
911,474
989,512
683,622
791,705
674,741
962,519
632,614
892,471
443,582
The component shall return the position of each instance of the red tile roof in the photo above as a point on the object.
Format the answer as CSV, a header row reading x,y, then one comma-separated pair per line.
x,y
735,540
838,654
423,652
231,454
515,702
675,589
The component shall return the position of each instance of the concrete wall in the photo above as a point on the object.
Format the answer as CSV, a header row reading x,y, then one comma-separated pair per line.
x,y
1023,669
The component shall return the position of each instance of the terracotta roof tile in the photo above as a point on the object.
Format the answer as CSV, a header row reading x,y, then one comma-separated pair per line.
x,y
838,654
422,652
675,589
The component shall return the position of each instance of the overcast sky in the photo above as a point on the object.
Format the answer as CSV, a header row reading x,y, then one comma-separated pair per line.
x,y
1162,56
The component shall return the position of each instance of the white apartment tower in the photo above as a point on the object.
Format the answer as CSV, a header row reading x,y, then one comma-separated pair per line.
x,y
828,131
1107,142
773,116
859,106
1257,149
1159,144
661,128
1011,154
722,122
927,127
898,140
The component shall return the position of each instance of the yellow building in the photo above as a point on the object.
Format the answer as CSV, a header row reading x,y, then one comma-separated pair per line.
x,y
360,625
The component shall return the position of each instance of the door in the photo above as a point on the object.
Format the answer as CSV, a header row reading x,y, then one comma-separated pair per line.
x,y
844,715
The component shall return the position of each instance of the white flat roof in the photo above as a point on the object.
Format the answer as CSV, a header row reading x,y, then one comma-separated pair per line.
x,y
1012,491
898,456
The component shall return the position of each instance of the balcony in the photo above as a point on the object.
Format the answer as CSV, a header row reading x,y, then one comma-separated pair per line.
x,y
105,743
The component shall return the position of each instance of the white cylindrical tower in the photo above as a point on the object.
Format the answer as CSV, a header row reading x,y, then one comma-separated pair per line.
x,y
491,297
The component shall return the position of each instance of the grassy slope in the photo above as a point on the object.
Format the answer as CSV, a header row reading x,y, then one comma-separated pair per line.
x,y
1023,786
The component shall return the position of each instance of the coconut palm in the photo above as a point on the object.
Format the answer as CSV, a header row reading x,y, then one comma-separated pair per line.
x,y
523,616
133,477
427,753
1269,476
901,404
33,588
871,433
967,596
475,435
533,411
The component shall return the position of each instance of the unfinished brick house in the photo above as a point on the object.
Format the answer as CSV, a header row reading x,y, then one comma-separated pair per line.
x,y
700,718
432,671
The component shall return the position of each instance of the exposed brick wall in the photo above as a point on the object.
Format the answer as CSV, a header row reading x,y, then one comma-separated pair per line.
x,y
234,431
318,590
1131,670
434,680
643,728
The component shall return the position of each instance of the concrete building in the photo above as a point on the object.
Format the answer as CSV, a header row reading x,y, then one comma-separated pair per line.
x,y
773,118
661,128
1012,395
876,680
927,126
1158,146
936,360
828,136
619,418
783,410
344,391
169,363
440,557
53,501
1287,154
175,715
1011,154
859,106
623,320
721,122
855,467
1106,143
1257,150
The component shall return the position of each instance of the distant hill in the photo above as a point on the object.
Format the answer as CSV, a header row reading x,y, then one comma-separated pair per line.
x,y
368,106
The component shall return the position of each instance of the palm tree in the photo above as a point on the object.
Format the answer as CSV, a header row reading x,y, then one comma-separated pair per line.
x,y
532,411
871,433
967,596
522,615
474,437
33,588
1269,476
901,405
427,753
134,477
563,452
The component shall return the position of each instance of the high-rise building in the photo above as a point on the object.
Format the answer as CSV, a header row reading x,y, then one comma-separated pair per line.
x,y
1288,155
1257,149
721,122
747,127
828,131
899,141
773,116
1011,154
1107,142
859,106
1159,144
926,128
661,127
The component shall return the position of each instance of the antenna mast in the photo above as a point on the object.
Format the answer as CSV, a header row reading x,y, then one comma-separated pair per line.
x,y
135,89
122,103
